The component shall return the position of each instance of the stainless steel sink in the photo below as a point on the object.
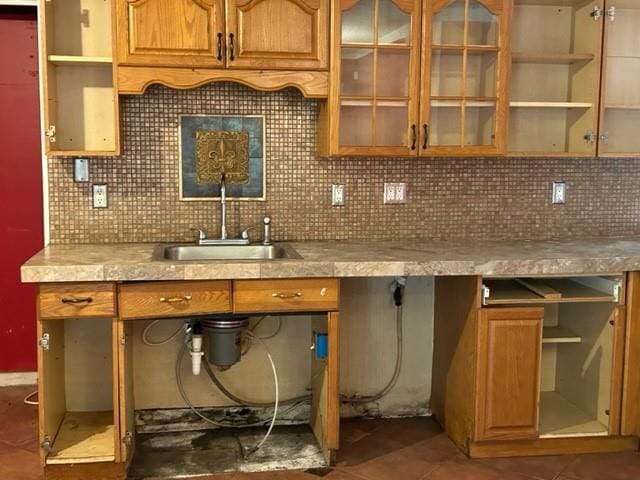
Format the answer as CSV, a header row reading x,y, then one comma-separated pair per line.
x,y
229,252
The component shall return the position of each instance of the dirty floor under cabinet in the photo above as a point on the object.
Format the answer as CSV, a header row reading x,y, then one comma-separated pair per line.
x,y
411,449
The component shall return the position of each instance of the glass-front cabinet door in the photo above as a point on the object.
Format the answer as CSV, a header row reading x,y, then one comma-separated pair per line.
x,y
464,72
375,71
620,102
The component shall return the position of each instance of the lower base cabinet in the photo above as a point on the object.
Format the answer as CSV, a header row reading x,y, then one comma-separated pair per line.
x,y
533,366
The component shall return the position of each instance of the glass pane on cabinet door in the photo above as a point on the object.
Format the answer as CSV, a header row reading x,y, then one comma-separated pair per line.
x,y
392,124
357,23
479,123
446,73
392,75
481,74
356,121
620,131
356,76
394,26
483,25
445,123
448,25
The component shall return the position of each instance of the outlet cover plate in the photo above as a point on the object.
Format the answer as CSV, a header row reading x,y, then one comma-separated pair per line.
x,y
559,193
100,195
395,192
337,195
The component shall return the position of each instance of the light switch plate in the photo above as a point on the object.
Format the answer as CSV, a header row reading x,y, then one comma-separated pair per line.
x,y
395,192
337,195
100,195
81,170
559,192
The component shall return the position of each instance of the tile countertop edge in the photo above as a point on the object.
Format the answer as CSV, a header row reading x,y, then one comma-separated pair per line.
x,y
137,262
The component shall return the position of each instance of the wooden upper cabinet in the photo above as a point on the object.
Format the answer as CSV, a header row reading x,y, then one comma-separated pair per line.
x,y
171,33
620,102
278,34
373,104
465,60
508,373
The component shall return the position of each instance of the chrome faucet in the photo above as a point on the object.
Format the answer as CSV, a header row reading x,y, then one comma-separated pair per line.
x,y
223,240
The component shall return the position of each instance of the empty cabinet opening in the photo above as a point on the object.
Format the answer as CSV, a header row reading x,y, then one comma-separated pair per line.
x,y
576,370
76,386
172,441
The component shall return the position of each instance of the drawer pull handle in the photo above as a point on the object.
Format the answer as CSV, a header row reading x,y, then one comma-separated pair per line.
x,y
75,300
185,298
286,295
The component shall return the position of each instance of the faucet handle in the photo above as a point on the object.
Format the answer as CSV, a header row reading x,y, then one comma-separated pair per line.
x,y
201,234
245,233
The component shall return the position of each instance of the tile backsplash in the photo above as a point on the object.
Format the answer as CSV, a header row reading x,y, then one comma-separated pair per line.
x,y
491,198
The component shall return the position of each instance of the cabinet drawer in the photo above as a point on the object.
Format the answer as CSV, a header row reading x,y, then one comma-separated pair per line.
x,y
306,295
77,300
168,299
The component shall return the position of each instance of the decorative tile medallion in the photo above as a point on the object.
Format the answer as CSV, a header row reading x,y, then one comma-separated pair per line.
x,y
212,144
222,152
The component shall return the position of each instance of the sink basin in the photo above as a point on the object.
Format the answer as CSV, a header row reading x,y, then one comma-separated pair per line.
x,y
229,252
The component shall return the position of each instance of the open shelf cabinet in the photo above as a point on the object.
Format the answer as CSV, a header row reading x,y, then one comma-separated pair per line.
x,y
78,404
555,78
81,102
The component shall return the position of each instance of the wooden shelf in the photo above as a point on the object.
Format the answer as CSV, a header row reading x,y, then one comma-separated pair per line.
x,y
561,418
78,60
554,335
467,103
622,107
550,105
458,49
551,58
84,437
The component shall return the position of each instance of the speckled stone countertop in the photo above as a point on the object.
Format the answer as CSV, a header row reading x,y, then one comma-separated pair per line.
x,y
137,261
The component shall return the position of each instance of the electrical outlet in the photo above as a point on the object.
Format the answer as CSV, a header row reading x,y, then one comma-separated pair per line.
x,y
337,195
100,196
559,192
81,170
395,192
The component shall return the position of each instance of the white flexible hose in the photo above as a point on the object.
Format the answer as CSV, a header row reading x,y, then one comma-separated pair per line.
x,y
148,342
275,384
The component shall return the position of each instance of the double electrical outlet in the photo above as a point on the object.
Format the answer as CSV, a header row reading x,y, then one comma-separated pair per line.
x,y
395,192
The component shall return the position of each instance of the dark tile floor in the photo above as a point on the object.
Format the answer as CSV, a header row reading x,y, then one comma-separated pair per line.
x,y
411,449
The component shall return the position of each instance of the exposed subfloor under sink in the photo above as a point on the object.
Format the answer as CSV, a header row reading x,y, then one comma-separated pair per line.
x,y
203,452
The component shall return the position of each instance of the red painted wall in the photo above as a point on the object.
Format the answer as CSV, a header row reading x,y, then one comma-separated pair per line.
x,y
21,231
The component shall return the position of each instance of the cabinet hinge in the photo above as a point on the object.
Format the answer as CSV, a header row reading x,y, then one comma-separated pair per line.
x,y
46,444
486,293
596,14
616,291
128,438
611,13
50,133
123,339
44,341
604,138
590,137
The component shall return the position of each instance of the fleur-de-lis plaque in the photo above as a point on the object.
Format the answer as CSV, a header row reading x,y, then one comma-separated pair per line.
x,y
222,151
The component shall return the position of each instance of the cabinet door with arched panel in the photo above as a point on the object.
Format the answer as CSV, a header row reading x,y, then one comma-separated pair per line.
x,y
171,33
374,77
278,34
464,76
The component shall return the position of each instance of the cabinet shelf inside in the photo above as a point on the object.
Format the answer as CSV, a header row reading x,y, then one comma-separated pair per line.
x,y
553,335
84,437
78,60
623,107
550,104
551,58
